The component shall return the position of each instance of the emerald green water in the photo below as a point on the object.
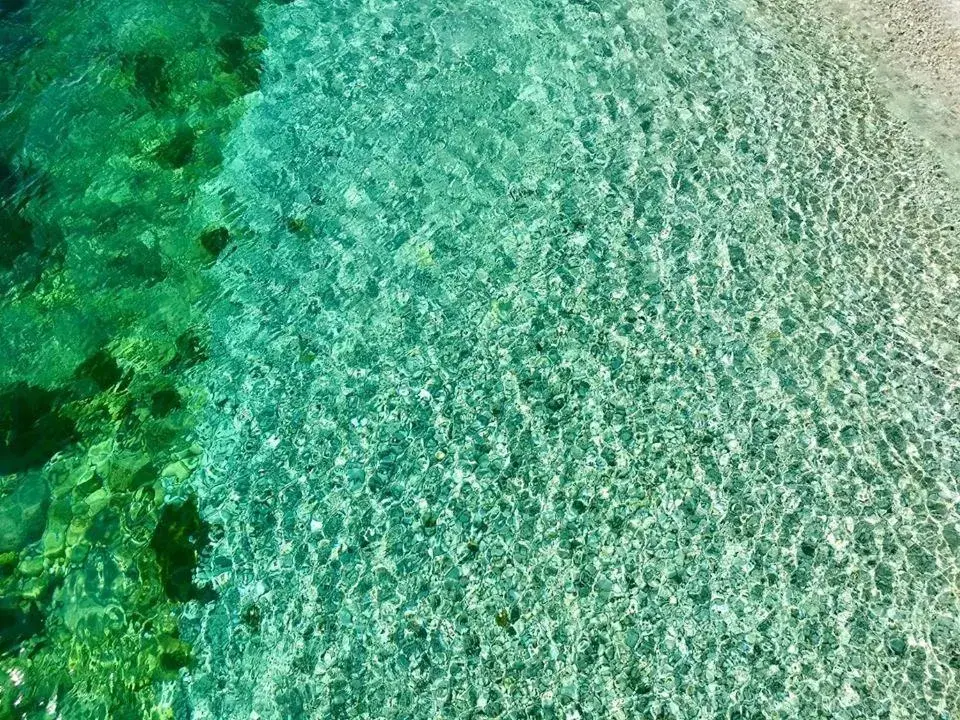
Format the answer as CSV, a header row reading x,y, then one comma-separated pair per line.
x,y
509,360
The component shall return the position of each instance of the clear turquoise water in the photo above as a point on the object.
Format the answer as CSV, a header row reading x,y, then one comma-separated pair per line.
x,y
563,360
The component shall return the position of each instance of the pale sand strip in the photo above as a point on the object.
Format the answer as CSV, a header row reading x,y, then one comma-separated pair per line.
x,y
916,45
921,36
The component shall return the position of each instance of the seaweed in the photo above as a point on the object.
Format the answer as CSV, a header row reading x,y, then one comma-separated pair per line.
x,y
178,541
190,350
139,266
31,428
8,7
101,369
23,512
240,61
150,76
215,240
178,151
17,625
163,402
16,235
16,232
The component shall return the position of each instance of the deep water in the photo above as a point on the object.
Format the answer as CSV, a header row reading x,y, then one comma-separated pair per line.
x,y
527,359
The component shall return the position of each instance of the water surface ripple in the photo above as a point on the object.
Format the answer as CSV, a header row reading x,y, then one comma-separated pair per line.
x,y
578,360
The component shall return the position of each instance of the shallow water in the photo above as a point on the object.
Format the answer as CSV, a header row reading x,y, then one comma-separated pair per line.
x,y
521,360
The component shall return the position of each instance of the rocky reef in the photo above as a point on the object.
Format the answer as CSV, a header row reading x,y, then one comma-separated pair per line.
x,y
112,118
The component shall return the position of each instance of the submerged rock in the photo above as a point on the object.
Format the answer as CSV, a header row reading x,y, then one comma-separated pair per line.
x,y
100,274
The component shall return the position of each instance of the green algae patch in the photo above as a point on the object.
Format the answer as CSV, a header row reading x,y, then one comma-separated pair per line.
x,y
114,116
215,240
178,541
31,428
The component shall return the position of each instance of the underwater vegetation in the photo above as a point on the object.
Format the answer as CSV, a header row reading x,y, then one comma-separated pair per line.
x,y
112,116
